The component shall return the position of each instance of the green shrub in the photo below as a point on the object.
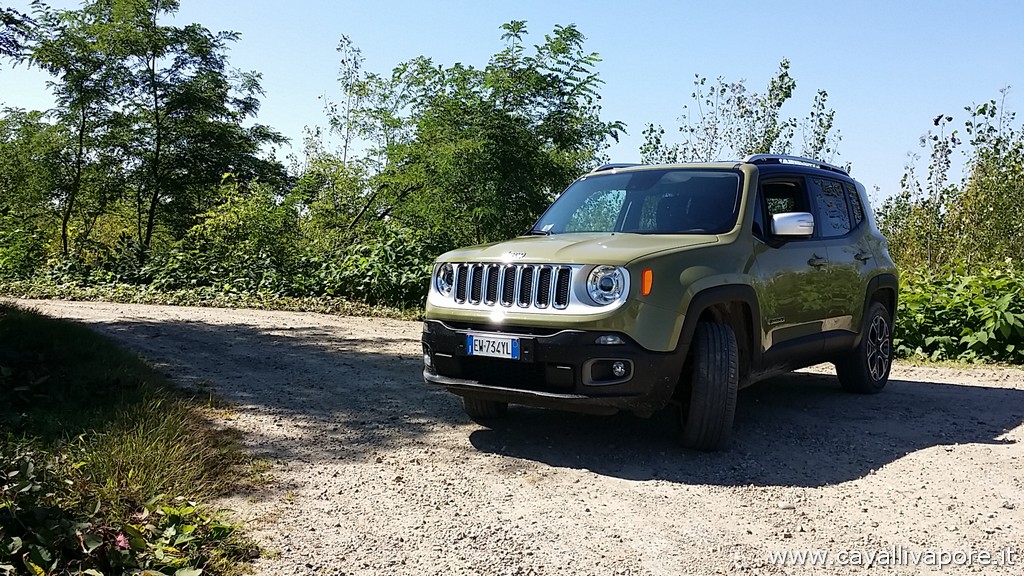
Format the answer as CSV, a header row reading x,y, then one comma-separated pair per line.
x,y
101,461
391,269
247,243
963,317
22,249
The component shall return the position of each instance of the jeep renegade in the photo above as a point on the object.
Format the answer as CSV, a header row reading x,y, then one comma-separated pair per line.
x,y
648,286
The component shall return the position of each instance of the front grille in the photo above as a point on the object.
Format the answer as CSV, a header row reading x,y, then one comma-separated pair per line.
x,y
522,285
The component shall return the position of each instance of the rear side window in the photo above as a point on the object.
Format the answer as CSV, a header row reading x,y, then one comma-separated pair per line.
x,y
833,213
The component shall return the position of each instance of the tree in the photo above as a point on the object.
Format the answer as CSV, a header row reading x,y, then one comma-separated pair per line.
x,y
986,216
821,140
186,112
727,120
916,219
484,148
30,160
15,32
73,47
944,224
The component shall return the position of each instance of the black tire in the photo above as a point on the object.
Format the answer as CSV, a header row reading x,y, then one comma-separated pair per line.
x,y
480,409
713,377
865,369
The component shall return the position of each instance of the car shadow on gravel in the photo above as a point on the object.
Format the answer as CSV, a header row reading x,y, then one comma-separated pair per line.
x,y
796,430
320,394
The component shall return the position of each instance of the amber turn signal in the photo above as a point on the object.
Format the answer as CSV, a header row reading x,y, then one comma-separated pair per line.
x,y
646,282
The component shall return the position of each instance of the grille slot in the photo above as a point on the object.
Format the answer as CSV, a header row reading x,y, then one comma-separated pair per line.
x,y
461,273
491,281
476,283
525,286
544,287
562,280
508,285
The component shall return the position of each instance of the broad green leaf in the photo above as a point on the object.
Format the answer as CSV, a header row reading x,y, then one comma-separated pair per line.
x,y
91,542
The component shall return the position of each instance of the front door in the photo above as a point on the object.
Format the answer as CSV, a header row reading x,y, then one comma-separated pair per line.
x,y
792,274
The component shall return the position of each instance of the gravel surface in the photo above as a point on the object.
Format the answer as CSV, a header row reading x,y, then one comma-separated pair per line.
x,y
376,473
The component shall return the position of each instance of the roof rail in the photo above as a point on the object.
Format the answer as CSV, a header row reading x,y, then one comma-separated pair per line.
x,y
785,158
613,166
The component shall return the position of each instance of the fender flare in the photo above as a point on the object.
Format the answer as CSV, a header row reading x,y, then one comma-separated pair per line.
x,y
882,282
719,295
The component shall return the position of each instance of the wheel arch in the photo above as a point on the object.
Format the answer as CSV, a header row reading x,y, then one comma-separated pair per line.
x,y
884,289
735,305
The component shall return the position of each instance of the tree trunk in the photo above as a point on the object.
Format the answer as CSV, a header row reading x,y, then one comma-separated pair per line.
x,y
76,184
155,184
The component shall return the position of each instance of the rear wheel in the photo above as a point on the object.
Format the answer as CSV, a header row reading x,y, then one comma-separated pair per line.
x,y
480,409
865,369
709,404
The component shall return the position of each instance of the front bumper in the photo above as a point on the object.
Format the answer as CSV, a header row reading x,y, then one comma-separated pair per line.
x,y
564,369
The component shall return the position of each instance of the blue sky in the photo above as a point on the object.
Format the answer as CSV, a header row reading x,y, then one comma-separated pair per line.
x,y
889,67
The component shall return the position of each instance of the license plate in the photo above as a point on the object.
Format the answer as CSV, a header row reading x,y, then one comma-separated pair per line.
x,y
492,346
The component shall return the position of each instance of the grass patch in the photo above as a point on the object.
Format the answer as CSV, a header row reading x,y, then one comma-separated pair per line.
x,y
102,461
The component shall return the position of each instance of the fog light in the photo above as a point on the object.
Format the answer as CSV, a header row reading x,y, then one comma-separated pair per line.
x,y
609,340
607,371
426,361
619,369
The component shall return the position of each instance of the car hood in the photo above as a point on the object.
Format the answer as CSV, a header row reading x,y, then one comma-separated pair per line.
x,y
592,248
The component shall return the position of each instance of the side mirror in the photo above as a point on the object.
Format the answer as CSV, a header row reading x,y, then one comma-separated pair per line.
x,y
793,224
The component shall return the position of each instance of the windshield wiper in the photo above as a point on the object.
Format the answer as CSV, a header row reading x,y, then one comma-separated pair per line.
x,y
537,232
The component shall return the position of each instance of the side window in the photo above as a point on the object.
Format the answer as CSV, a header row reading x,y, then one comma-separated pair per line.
x,y
598,212
833,215
857,208
782,197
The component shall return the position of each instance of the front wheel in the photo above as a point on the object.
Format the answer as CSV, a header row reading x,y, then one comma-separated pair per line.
x,y
865,369
713,376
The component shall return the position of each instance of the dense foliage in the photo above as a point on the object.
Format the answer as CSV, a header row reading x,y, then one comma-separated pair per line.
x,y
965,317
942,223
726,120
151,181
960,243
145,173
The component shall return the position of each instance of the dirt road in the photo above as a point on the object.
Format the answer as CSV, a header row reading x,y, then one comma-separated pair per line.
x,y
378,474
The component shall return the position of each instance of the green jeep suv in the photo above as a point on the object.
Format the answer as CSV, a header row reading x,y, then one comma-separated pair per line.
x,y
643,287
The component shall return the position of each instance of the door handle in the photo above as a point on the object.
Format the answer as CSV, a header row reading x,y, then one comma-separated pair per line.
x,y
863,256
817,261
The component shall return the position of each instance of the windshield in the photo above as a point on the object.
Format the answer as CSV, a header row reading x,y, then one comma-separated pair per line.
x,y
669,201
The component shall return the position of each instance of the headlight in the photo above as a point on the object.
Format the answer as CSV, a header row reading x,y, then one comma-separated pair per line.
x,y
444,278
605,284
